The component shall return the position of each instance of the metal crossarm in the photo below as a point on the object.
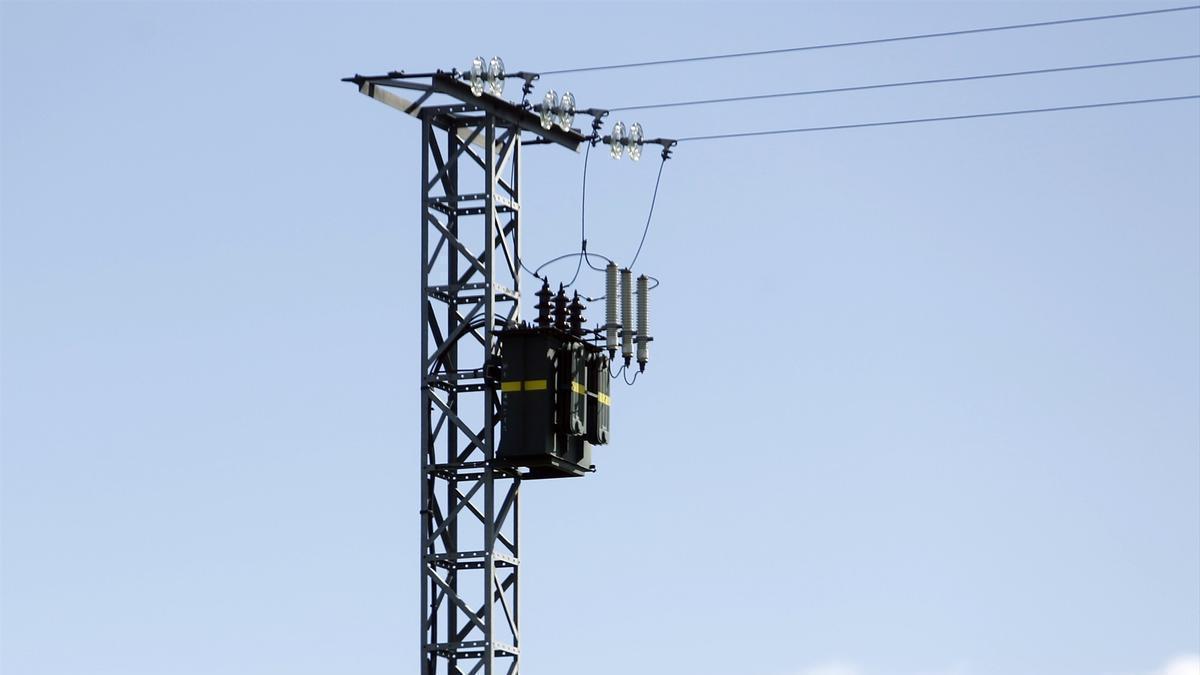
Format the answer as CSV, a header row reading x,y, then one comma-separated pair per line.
x,y
507,113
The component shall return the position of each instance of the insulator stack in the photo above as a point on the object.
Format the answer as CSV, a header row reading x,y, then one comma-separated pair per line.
x,y
544,304
610,308
627,315
560,308
643,321
576,319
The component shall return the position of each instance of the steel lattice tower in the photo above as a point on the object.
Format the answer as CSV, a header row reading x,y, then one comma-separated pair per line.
x,y
470,287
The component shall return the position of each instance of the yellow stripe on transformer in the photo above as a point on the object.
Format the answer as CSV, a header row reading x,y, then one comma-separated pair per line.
x,y
604,399
511,386
578,388
535,385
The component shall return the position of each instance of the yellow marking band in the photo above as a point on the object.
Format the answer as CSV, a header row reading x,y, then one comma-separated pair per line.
x,y
578,388
527,385
604,399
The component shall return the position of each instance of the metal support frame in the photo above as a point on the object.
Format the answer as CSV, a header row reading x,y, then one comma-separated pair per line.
x,y
470,286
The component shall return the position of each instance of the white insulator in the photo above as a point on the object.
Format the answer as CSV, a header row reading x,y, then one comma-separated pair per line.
x,y
627,315
610,308
643,321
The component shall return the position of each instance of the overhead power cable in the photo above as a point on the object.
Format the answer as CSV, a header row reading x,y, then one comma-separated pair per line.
x,y
874,41
921,120
650,215
537,272
582,219
909,83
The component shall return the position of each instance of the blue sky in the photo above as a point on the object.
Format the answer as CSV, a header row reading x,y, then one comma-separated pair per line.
x,y
922,400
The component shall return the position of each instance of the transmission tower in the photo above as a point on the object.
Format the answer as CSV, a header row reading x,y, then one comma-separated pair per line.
x,y
470,301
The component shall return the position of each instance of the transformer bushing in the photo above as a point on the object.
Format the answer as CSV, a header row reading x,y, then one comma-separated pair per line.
x,y
561,308
545,295
576,318
610,309
643,325
626,316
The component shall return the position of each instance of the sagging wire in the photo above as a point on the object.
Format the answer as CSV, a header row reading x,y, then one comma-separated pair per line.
x,y
582,219
597,122
624,375
875,41
947,118
573,254
529,271
909,83
587,258
650,215
653,280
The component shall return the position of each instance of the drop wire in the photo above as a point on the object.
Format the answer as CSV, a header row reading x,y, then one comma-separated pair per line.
x,y
582,218
650,215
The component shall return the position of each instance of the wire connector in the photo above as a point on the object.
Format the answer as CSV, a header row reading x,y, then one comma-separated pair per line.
x,y
598,115
527,86
668,144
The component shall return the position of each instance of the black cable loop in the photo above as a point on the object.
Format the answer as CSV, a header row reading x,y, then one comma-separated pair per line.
x,y
564,256
625,375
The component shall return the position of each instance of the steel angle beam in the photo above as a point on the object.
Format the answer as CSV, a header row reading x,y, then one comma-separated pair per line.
x,y
413,108
524,118
446,83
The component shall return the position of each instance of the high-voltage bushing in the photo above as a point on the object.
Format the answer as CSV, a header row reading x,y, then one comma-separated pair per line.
x,y
545,295
555,402
561,308
643,325
576,319
626,316
610,309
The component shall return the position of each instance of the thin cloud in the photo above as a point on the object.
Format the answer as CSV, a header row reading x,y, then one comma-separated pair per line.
x,y
1181,665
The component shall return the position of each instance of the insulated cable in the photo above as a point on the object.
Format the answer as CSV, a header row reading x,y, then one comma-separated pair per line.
x,y
650,215
875,41
921,120
582,218
909,83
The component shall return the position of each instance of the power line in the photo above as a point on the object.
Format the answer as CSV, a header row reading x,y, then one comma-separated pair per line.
x,y
886,85
650,215
529,271
573,254
920,120
875,41
582,218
